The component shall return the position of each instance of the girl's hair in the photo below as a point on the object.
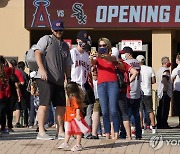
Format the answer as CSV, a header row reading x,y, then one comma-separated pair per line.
x,y
3,76
106,41
74,90
2,63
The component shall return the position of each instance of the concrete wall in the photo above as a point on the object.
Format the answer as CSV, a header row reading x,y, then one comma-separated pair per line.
x,y
14,37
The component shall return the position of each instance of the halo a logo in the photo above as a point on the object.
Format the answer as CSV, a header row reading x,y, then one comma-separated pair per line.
x,y
156,142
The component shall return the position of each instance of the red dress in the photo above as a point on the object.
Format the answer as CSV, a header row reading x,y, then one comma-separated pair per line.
x,y
72,125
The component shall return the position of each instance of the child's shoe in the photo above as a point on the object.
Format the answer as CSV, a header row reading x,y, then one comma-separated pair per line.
x,y
63,146
77,148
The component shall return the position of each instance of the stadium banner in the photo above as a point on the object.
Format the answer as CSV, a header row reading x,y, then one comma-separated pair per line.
x,y
103,13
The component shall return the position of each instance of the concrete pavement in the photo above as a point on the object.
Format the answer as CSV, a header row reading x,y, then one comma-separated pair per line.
x,y
23,141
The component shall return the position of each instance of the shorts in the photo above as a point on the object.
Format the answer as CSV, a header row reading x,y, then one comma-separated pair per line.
x,y
123,107
147,103
176,95
96,107
51,93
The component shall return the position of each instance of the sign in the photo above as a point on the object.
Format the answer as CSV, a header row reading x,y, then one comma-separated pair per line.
x,y
103,13
136,45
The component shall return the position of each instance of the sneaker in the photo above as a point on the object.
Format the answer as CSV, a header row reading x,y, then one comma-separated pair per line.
x,y
44,137
153,131
133,133
18,125
142,131
30,127
4,131
10,130
63,146
60,136
77,148
94,137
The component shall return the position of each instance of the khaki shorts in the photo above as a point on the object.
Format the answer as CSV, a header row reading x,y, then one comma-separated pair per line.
x,y
96,107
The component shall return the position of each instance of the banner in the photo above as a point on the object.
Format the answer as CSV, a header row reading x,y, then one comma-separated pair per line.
x,y
103,13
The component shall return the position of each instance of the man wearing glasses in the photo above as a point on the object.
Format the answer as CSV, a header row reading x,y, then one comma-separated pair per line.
x,y
54,63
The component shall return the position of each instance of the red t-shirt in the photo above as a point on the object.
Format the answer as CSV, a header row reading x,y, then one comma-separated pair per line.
x,y
5,91
19,75
106,71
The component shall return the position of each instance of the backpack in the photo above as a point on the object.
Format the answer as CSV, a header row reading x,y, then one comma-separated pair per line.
x,y
121,81
30,60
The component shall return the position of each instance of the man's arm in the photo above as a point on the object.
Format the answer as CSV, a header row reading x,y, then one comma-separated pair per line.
x,y
38,57
153,80
133,73
68,73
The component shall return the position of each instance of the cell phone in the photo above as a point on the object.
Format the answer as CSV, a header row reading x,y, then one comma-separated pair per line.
x,y
102,50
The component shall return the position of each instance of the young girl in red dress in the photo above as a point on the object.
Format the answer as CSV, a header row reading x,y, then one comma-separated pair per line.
x,y
74,121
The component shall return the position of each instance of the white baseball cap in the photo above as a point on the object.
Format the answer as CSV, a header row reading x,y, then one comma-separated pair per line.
x,y
140,58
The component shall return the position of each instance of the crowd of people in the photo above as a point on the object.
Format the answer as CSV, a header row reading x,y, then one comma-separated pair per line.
x,y
72,89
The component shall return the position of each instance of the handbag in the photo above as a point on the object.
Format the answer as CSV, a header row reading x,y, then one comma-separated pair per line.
x,y
120,76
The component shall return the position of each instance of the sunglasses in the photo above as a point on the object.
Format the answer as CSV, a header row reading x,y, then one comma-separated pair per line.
x,y
102,45
58,30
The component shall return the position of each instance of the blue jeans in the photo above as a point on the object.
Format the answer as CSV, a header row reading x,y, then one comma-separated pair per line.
x,y
108,98
133,109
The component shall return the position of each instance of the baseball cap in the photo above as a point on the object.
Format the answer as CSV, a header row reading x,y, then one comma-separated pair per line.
x,y
83,36
140,58
126,50
57,25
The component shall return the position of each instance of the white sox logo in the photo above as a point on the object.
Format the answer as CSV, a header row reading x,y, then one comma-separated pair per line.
x,y
79,13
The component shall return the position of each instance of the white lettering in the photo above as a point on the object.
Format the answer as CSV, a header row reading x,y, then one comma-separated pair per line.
x,y
152,14
113,12
168,142
164,14
174,142
134,14
101,14
177,14
143,16
123,13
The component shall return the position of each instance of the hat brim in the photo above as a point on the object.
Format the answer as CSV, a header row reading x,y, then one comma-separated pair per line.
x,y
83,39
121,52
57,28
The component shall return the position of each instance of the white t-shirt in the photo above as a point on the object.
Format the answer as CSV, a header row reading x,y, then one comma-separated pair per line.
x,y
95,89
176,75
115,52
146,74
80,67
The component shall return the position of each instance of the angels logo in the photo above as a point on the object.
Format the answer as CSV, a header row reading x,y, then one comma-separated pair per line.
x,y
41,15
79,13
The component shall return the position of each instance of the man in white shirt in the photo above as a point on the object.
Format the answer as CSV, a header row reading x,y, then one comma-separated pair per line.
x,y
175,77
147,79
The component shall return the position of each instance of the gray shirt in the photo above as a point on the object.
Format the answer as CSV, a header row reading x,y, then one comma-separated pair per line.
x,y
55,56
135,90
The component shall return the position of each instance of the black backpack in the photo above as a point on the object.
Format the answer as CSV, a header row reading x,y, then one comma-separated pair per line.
x,y
121,82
